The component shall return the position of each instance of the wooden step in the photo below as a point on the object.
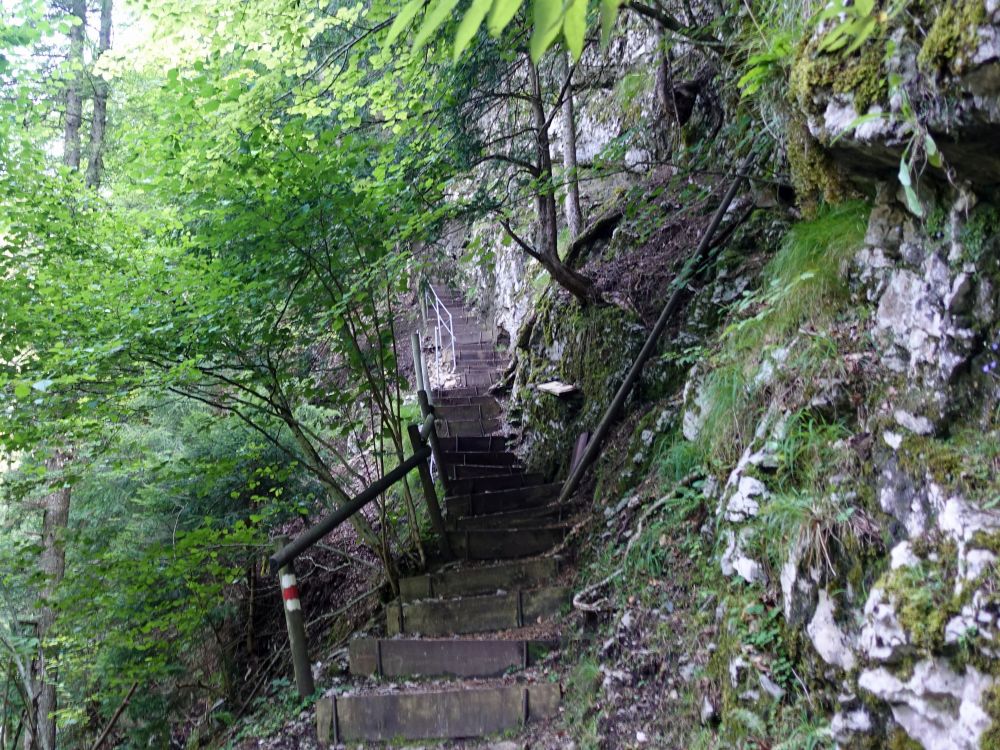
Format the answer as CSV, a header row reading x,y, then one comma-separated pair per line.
x,y
504,544
466,471
480,458
489,444
488,579
493,484
489,410
471,337
452,658
513,519
467,427
441,714
460,391
475,614
486,378
463,400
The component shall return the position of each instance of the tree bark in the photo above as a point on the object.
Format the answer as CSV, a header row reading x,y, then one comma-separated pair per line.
x,y
547,231
52,563
574,215
74,93
95,165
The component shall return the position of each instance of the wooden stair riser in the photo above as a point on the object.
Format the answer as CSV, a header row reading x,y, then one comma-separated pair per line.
x,y
471,412
480,458
467,427
504,544
477,614
519,574
445,658
553,513
494,484
500,501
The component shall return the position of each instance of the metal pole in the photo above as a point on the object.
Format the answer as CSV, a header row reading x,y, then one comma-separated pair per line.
x,y
296,626
433,509
432,438
649,347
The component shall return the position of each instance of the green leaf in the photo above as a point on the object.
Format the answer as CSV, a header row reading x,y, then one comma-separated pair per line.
x,y
470,24
933,154
904,173
547,15
912,201
575,26
609,14
433,20
403,19
501,14
22,390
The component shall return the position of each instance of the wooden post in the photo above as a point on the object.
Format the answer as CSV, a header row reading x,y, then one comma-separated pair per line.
x,y
432,439
433,509
295,622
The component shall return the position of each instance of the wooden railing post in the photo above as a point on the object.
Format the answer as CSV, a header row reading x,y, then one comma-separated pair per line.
x,y
432,439
295,622
433,508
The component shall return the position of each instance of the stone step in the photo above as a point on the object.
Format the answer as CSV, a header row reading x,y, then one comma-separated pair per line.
x,y
467,427
513,519
480,458
469,581
504,544
489,444
452,658
462,413
440,714
477,485
475,614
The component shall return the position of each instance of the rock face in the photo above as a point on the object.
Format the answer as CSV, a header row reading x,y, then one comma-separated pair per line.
x,y
936,706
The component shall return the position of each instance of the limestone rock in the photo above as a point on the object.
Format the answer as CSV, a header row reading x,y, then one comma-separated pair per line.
x,y
735,561
830,642
936,706
882,637
745,502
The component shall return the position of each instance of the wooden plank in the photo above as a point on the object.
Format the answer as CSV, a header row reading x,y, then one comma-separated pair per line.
x,y
475,614
481,458
494,484
461,471
447,714
520,574
500,501
504,544
513,519
452,658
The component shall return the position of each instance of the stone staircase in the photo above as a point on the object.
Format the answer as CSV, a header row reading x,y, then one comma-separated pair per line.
x,y
426,681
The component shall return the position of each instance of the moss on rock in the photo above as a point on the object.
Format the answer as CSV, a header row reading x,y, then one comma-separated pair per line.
x,y
952,37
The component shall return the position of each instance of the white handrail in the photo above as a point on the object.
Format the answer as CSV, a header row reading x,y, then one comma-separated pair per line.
x,y
448,326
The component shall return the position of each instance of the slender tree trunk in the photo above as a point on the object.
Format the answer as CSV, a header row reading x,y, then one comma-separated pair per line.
x,y
547,236
52,564
95,165
574,215
74,93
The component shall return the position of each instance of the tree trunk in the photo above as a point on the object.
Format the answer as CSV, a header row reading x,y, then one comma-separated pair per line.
x,y
95,165
52,563
547,235
574,215
74,93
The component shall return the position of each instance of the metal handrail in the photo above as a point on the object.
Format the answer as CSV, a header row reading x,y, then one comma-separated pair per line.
x,y
438,306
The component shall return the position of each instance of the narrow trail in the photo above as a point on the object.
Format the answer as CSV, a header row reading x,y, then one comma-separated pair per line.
x,y
467,642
